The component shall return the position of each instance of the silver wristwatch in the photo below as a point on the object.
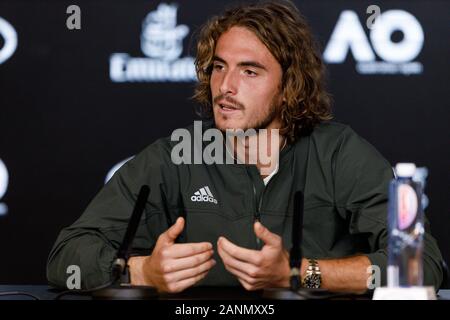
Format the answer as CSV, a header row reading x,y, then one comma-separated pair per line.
x,y
313,277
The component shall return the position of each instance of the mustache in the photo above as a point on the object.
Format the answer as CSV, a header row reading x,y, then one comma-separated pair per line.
x,y
228,99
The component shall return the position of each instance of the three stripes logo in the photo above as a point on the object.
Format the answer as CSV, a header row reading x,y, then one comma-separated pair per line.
x,y
203,195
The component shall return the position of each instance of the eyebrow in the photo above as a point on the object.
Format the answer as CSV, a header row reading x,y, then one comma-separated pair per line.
x,y
243,63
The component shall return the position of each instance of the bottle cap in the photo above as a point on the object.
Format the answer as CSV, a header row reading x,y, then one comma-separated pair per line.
x,y
405,170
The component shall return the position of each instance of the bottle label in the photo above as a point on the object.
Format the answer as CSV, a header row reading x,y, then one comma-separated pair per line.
x,y
407,206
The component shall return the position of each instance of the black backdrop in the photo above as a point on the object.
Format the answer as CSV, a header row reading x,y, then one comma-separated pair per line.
x,y
64,123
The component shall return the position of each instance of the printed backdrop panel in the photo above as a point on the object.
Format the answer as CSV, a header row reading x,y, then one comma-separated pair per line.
x,y
78,97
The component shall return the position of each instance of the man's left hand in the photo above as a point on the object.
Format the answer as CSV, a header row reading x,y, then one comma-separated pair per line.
x,y
257,269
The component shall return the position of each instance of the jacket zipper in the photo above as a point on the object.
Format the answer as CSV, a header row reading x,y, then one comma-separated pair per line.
x,y
257,214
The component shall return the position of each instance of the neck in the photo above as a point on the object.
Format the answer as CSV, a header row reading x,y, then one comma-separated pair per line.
x,y
261,149
273,156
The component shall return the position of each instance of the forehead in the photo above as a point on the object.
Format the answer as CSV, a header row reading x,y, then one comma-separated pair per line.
x,y
240,44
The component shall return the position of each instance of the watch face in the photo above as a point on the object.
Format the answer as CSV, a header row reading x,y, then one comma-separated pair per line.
x,y
312,281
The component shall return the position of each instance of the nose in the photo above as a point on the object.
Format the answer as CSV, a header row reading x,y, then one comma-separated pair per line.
x,y
228,85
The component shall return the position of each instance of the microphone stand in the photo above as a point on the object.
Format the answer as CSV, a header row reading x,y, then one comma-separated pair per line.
x,y
120,288
295,255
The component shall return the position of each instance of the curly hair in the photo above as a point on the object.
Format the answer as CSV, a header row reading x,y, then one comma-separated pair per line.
x,y
284,31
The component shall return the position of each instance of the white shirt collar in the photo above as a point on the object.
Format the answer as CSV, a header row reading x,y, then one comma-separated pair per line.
x,y
274,172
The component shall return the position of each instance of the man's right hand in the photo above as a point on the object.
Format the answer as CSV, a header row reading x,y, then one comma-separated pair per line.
x,y
172,267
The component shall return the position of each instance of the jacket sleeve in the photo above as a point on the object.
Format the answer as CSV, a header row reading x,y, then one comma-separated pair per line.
x,y
362,178
92,241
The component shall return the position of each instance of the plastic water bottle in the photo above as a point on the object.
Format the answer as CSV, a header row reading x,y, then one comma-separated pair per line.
x,y
405,219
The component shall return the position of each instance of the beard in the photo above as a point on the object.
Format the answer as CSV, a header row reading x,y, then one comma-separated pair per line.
x,y
263,123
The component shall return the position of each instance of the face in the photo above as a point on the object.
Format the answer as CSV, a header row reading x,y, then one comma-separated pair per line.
x,y
245,82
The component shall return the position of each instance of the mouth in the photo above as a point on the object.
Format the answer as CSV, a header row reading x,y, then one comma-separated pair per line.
x,y
227,108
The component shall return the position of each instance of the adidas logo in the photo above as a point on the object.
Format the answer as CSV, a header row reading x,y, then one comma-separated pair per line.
x,y
203,195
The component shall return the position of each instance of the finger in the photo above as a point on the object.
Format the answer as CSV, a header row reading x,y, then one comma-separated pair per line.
x,y
265,235
247,268
242,276
191,272
251,287
181,250
186,283
188,262
174,231
243,254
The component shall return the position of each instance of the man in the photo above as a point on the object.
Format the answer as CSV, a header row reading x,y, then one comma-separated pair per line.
x,y
258,69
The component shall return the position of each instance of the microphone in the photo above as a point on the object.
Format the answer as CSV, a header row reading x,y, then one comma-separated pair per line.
x,y
295,255
120,264
123,289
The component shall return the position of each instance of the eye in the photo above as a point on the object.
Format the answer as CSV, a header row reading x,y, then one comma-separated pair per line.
x,y
250,73
217,67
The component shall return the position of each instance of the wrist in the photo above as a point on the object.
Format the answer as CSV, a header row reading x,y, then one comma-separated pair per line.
x,y
303,268
284,280
137,268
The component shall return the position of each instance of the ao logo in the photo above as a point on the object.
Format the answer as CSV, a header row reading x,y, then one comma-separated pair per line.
x,y
115,168
162,43
397,56
10,40
3,187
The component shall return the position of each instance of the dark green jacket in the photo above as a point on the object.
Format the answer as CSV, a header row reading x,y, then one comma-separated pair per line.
x,y
344,180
